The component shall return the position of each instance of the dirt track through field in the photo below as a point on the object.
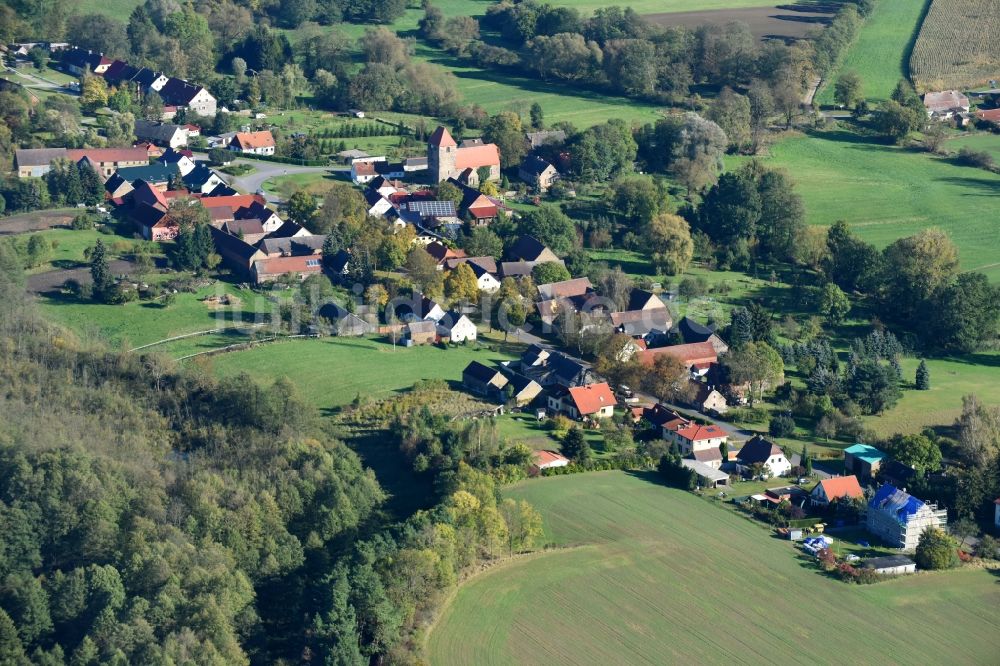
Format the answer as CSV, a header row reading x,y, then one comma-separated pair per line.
x,y
779,22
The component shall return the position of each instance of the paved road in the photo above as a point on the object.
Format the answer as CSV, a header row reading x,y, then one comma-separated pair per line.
x,y
254,181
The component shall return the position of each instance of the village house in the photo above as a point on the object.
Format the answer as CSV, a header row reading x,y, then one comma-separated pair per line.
x,y
181,158
898,518
523,390
697,357
837,487
484,380
342,322
712,457
989,115
593,401
547,460
456,327
531,251
420,332
696,437
80,62
544,137
253,143
446,159
554,368
692,331
863,460
180,93
761,450
707,400
537,172
945,104
667,420
565,289
36,162
202,180
164,134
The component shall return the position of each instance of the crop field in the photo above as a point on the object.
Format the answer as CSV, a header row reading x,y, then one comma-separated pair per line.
x,y
653,575
958,46
885,192
768,22
331,371
882,49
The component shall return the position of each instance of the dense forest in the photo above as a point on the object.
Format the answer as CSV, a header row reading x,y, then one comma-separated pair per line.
x,y
152,514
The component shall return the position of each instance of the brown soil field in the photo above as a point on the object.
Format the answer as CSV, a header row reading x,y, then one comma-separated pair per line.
x,y
786,22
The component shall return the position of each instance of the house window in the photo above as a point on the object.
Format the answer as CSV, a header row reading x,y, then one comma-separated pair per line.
x,y
312,262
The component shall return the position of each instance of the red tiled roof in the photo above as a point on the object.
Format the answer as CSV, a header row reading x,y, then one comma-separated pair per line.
x,y
548,457
364,168
293,264
697,353
989,114
696,433
474,157
109,154
232,201
841,486
251,140
591,398
442,138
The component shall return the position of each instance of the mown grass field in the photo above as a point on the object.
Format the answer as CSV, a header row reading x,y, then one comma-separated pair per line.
x,y
652,575
331,371
881,52
886,192
983,141
140,323
958,46
942,404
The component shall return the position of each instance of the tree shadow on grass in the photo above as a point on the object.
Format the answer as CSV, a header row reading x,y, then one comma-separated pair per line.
x,y
985,186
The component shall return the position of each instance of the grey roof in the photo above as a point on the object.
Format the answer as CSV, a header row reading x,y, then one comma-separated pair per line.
x,y
477,264
415,162
538,139
198,176
450,319
422,326
286,230
179,92
639,298
156,131
232,246
888,561
704,471
516,268
298,245
31,157
153,173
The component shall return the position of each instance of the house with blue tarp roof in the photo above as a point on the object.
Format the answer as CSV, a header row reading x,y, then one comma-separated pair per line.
x,y
898,518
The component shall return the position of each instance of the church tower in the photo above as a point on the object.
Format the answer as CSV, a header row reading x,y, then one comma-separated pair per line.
x,y
441,155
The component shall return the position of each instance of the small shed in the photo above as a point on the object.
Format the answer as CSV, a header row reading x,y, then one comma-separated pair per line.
x,y
709,476
891,565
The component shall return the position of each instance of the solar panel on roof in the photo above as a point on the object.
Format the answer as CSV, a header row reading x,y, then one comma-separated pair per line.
x,y
433,208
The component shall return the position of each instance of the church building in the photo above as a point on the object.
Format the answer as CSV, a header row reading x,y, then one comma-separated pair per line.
x,y
447,159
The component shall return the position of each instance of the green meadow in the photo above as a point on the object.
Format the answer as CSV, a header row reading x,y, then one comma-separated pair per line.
x,y
330,372
644,574
887,192
881,53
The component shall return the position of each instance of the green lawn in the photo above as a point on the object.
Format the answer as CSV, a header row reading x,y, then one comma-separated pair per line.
x,y
881,53
331,371
652,575
983,141
942,404
886,192
69,245
140,323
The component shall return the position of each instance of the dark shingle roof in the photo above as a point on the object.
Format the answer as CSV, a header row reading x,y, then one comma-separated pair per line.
x,y
481,372
527,249
757,450
534,165
692,331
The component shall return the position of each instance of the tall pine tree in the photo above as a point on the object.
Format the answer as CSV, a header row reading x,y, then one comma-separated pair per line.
x,y
100,272
923,379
